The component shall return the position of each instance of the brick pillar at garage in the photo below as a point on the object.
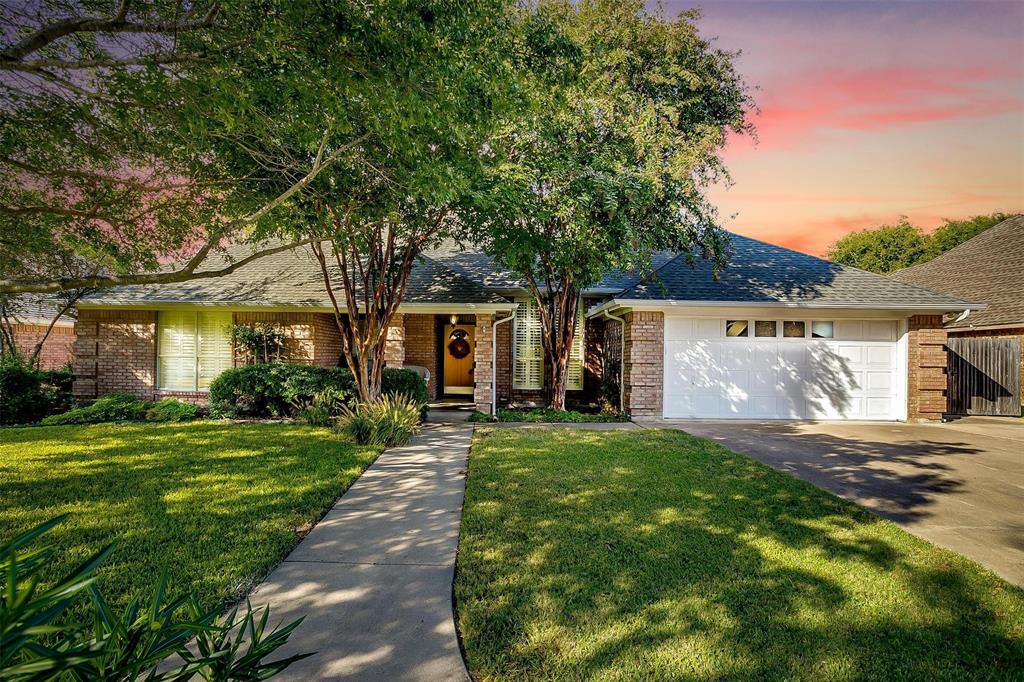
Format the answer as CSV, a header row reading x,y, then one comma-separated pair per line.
x,y
394,346
644,359
926,368
482,369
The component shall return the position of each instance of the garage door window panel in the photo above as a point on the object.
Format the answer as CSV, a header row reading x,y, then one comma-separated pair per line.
x,y
794,329
736,328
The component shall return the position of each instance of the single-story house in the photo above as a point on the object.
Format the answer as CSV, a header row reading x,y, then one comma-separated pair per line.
x,y
29,319
780,335
988,268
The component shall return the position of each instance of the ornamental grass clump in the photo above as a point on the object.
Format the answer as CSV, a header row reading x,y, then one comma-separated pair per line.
x,y
389,421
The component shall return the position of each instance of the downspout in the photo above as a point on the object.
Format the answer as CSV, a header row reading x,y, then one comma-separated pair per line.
x,y
622,358
494,362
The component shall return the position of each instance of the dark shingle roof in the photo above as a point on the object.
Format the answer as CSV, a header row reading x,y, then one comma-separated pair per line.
x,y
290,278
481,268
988,268
38,309
763,273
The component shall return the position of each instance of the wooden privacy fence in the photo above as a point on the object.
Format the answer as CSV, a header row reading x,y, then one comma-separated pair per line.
x,y
984,376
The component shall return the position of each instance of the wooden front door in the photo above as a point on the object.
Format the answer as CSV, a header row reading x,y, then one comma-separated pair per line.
x,y
459,346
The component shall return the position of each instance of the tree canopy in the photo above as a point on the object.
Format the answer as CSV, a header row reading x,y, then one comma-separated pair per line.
x,y
888,248
612,160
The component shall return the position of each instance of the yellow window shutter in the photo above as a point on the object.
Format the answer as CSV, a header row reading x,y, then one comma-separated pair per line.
x,y
575,368
528,363
214,347
176,351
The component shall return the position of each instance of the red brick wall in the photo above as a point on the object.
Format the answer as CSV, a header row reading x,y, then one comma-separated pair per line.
x,y
115,350
926,368
1015,333
482,367
644,363
421,346
326,340
504,353
57,350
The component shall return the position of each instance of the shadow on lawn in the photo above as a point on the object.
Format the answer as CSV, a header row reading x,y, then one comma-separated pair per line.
x,y
669,557
218,502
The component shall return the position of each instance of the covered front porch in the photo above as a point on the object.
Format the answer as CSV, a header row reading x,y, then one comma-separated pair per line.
x,y
458,349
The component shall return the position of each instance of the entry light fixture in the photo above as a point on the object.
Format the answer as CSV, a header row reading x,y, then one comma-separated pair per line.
x,y
454,319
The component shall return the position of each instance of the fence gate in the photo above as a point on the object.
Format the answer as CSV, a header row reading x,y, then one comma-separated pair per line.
x,y
984,376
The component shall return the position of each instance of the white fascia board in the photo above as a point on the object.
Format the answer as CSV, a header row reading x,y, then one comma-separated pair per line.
x,y
643,304
984,328
231,306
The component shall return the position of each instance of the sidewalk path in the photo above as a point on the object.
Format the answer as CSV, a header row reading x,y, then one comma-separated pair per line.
x,y
374,577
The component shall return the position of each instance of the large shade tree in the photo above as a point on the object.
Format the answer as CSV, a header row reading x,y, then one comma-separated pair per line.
x,y
136,133
613,161
369,217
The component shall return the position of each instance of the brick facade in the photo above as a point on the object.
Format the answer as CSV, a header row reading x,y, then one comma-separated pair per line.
x,y
482,362
644,358
312,338
421,346
926,368
115,350
394,344
57,350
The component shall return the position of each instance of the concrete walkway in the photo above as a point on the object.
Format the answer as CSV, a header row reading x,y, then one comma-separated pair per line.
x,y
374,578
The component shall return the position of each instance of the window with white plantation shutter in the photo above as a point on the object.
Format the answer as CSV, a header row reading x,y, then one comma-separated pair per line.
x,y
192,349
575,369
528,353
214,347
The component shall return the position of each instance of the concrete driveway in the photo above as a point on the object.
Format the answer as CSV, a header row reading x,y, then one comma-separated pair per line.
x,y
959,485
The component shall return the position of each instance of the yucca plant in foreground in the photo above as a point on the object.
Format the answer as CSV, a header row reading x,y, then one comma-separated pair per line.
x,y
35,644
389,421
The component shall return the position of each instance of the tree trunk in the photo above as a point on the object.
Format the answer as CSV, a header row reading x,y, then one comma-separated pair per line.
x,y
558,308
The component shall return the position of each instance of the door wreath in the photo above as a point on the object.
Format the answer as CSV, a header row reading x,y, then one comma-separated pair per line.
x,y
458,346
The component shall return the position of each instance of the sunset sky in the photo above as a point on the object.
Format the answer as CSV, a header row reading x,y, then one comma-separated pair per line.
x,y
870,110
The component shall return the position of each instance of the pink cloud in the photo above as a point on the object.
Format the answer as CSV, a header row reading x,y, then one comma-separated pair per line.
x,y
879,98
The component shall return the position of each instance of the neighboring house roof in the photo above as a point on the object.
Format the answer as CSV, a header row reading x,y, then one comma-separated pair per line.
x,y
38,309
988,268
760,273
757,273
289,278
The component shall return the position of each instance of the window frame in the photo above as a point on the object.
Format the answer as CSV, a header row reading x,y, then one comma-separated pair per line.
x,y
197,348
527,301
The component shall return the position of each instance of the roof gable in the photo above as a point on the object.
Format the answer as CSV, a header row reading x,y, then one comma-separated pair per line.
x,y
760,273
988,268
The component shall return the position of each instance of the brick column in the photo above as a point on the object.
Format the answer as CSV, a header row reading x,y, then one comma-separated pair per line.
x,y
926,368
644,358
482,363
394,346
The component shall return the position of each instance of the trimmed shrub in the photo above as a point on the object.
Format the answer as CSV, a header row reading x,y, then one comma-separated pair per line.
x,y
404,382
390,421
28,394
279,390
546,415
113,407
171,410
275,389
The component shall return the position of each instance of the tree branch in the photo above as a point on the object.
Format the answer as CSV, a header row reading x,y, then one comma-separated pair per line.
x,y
119,23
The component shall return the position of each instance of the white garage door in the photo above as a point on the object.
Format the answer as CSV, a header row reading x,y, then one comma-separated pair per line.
x,y
776,369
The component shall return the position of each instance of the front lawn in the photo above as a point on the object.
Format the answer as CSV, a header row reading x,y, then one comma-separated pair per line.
x,y
218,503
658,555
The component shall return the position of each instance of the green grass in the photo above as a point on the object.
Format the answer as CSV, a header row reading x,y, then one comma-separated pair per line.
x,y
657,555
218,503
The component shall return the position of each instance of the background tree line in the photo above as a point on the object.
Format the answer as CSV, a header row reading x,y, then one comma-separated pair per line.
x,y
888,248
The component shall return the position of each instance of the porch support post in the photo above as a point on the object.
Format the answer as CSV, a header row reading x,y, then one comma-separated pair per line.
x,y
394,347
482,365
